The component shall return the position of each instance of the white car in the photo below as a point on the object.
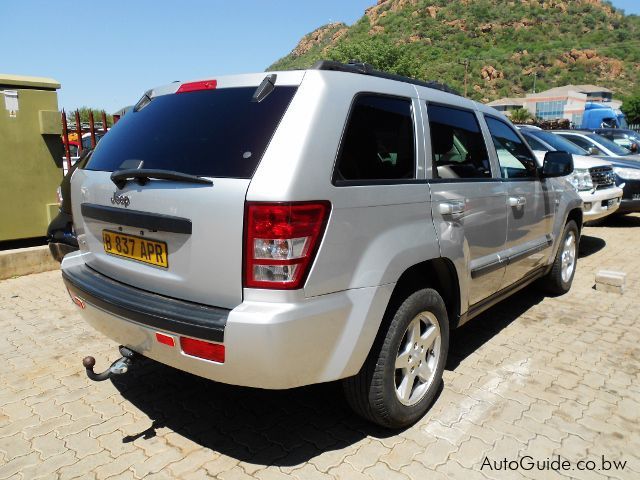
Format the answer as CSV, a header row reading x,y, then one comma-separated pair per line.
x,y
594,181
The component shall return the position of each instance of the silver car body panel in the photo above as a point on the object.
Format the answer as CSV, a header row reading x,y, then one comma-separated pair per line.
x,y
203,265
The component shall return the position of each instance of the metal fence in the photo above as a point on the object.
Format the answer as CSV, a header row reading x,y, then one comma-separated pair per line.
x,y
77,129
635,126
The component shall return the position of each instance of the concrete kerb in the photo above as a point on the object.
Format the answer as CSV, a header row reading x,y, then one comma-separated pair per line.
x,y
24,261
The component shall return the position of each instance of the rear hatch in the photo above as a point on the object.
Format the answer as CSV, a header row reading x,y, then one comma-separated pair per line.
x,y
180,237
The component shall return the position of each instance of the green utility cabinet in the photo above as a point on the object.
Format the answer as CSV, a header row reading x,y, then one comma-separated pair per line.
x,y
31,154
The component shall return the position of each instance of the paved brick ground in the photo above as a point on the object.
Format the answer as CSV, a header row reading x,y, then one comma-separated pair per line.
x,y
533,376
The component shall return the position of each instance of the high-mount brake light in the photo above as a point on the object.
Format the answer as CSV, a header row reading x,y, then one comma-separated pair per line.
x,y
281,241
195,86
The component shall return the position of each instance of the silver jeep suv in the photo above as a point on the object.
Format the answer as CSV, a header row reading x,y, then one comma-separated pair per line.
x,y
290,228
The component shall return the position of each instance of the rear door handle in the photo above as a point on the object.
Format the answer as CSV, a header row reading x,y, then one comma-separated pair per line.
x,y
452,208
517,201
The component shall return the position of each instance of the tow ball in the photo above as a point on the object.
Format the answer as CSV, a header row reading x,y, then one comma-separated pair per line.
x,y
118,367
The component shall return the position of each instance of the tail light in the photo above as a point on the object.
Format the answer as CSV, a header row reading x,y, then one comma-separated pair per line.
x,y
281,240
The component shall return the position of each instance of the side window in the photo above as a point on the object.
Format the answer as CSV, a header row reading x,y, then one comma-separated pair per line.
x,y
621,139
533,143
457,145
378,142
584,143
515,158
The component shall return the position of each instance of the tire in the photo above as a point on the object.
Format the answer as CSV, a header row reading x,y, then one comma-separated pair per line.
x,y
558,281
374,392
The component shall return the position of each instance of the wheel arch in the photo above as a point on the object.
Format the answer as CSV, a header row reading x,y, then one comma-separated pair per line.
x,y
575,215
437,273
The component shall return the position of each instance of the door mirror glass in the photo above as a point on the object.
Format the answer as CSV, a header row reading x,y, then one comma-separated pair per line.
x,y
594,151
557,164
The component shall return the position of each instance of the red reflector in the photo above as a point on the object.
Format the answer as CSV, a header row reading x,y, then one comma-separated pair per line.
x,y
202,349
195,86
165,339
77,301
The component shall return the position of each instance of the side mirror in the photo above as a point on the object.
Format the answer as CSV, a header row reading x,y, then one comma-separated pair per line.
x,y
594,151
557,164
634,148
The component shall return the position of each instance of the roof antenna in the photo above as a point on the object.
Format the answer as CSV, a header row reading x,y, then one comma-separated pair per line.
x,y
265,88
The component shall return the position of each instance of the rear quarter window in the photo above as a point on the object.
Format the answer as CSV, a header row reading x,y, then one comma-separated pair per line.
x,y
378,142
210,133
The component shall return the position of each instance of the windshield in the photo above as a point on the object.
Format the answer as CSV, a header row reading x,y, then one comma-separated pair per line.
x,y
605,142
559,143
86,141
210,133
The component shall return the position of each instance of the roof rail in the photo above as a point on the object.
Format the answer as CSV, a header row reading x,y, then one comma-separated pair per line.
x,y
367,69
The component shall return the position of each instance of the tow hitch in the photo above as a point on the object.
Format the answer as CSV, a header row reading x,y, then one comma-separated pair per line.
x,y
118,367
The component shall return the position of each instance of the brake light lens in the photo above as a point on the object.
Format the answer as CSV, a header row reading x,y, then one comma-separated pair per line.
x,y
202,349
195,86
281,240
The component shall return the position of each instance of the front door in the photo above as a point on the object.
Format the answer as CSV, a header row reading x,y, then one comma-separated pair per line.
x,y
468,201
530,207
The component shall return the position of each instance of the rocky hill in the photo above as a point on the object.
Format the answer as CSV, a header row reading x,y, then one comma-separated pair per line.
x,y
503,44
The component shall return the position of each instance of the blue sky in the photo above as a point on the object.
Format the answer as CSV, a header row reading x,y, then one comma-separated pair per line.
x,y
106,54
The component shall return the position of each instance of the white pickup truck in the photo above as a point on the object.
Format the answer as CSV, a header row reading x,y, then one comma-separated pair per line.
x,y
593,178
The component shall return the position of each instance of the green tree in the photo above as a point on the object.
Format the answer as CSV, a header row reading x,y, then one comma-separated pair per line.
x,y
631,108
97,115
520,115
381,54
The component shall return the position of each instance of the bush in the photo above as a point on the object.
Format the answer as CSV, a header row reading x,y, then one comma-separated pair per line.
x,y
631,108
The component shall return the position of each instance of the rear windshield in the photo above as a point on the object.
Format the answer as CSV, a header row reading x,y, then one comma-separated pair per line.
x,y
210,133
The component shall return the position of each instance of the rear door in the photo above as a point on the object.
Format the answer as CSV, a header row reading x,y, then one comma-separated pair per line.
x,y
469,210
177,238
530,207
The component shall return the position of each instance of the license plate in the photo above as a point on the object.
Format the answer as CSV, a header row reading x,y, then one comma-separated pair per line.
x,y
141,249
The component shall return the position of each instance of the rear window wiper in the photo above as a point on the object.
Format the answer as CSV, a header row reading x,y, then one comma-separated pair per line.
x,y
143,175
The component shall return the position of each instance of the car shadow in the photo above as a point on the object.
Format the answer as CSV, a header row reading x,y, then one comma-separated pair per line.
x,y
479,330
279,427
590,245
261,427
621,221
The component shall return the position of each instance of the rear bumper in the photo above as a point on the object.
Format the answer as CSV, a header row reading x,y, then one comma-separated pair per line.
x,y
596,205
145,308
274,345
631,198
61,237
